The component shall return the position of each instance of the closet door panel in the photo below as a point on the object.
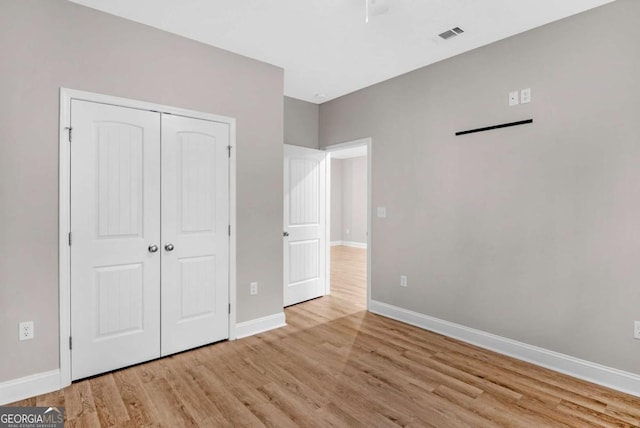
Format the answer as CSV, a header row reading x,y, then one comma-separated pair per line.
x,y
195,220
115,218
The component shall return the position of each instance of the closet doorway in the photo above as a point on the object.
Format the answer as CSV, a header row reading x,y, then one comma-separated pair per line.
x,y
146,269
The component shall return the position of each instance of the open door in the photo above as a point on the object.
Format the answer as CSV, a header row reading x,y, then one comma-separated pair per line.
x,y
305,243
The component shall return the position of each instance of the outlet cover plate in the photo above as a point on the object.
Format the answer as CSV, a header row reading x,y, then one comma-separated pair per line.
x,y
636,330
253,288
403,280
26,330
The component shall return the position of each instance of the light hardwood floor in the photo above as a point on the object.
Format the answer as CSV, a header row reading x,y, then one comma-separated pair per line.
x,y
337,365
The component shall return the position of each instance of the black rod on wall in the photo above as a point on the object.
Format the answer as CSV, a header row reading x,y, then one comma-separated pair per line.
x,y
489,128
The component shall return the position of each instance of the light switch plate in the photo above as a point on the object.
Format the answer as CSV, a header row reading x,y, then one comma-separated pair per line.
x,y
382,212
525,96
514,98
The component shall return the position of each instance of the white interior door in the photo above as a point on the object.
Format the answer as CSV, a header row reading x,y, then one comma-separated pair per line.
x,y
195,237
149,229
115,222
304,224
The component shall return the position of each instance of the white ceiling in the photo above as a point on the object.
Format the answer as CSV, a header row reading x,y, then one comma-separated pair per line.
x,y
325,46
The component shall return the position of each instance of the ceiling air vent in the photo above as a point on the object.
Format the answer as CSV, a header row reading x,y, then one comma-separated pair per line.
x,y
451,33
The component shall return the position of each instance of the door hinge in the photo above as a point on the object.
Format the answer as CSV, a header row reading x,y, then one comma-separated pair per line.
x,y
69,238
229,230
229,148
70,343
70,129
229,307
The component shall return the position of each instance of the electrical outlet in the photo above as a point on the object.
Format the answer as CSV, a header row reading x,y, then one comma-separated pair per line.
x,y
253,288
636,329
525,96
26,330
403,280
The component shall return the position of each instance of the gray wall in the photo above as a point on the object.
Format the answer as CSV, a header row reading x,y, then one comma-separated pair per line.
x,y
336,200
47,44
355,199
530,232
349,200
300,123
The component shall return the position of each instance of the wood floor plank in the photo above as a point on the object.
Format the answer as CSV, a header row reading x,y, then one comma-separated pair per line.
x,y
336,365
591,417
333,416
86,420
140,406
78,401
230,406
171,411
108,401
52,399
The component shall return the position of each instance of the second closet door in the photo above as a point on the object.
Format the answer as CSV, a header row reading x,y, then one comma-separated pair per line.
x,y
195,241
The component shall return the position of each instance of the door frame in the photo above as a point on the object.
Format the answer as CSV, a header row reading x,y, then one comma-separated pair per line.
x,y
367,142
64,198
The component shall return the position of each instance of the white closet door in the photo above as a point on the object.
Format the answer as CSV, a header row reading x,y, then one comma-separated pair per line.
x,y
304,224
115,218
195,221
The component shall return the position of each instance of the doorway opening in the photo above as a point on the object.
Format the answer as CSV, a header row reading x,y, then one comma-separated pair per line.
x,y
349,220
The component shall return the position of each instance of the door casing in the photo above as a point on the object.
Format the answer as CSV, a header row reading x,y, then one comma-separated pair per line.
x,y
66,95
368,143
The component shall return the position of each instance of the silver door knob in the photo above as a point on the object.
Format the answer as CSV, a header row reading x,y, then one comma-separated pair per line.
x,y
153,248
286,234
168,247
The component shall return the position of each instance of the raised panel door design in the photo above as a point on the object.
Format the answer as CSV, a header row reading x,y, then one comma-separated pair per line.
x,y
120,177
304,260
197,287
197,181
304,179
119,308
304,223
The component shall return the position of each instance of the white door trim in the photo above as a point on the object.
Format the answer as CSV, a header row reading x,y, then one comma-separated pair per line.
x,y
334,148
64,258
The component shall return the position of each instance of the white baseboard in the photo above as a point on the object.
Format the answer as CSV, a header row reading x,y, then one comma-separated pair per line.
x,y
29,386
602,375
349,244
260,325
